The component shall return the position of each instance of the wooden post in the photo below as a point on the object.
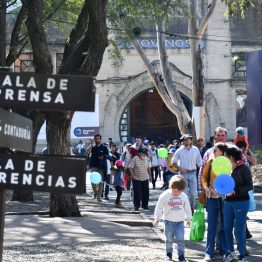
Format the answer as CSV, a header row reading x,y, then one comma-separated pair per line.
x,y
2,221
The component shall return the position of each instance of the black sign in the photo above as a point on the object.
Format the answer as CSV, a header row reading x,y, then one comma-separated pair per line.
x,y
43,173
15,131
47,92
86,131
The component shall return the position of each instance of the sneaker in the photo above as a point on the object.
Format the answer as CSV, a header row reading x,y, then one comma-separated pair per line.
x,y
168,257
136,209
146,208
106,198
94,197
119,205
241,259
182,258
217,251
99,200
207,257
230,257
248,235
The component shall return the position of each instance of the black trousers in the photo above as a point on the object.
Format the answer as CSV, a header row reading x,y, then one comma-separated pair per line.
x,y
154,172
119,194
141,193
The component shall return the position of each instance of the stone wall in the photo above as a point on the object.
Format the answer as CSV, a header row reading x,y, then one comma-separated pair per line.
x,y
220,96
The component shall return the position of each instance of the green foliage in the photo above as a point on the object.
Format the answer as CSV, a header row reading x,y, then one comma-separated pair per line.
x,y
115,54
235,6
133,12
62,13
139,18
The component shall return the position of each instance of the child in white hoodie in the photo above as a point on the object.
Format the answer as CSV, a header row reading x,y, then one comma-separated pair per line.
x,y
174,207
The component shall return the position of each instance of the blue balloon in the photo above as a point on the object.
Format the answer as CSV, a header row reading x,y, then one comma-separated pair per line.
x,y
224,184
95,178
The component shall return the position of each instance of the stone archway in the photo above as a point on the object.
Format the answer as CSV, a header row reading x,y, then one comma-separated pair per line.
x,y
148,116
122,92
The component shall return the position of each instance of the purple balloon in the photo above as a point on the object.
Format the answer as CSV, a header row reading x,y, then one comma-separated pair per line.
x,y
224,184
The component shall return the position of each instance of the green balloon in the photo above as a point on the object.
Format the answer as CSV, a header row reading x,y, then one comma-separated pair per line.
x,y
221,165
162,152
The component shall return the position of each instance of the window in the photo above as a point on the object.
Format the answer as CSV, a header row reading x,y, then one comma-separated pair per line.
x,y
24,63
239,66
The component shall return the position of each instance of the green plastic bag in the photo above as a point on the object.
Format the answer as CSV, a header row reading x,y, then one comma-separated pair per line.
x,y
197,228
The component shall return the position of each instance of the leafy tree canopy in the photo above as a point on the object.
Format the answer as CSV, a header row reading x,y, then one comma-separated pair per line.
x,y
237,5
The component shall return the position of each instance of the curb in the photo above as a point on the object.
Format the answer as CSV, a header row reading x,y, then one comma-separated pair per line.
x,y
27,213
157,231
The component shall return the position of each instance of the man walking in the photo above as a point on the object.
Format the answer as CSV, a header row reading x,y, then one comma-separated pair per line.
x,y
154,163
99,154
219,136
187,158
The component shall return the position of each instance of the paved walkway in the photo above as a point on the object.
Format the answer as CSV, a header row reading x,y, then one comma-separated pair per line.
x,y
102,222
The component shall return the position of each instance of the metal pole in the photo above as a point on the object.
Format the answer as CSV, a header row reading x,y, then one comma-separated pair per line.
x,y
2,221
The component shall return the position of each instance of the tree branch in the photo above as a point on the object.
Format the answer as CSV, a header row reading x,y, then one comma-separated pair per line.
x,y
14,44
12,3
87,55
164,64
97,38
34,23
204,22
178,110
76,33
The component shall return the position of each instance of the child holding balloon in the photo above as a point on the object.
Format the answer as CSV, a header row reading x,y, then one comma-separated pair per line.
x,y
214,205
236,204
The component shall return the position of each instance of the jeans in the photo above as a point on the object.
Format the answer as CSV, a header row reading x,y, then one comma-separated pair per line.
x,y
214,209
141,193
177,230
191,189
235,213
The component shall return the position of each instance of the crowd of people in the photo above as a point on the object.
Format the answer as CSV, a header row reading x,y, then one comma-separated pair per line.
x,y
187,173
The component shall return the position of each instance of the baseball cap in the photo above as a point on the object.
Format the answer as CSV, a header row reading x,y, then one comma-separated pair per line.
x,y
185,136
172,151
146,142
240,131
119,163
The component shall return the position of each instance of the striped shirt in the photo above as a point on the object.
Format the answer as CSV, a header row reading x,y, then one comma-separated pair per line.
x,y
140,167
189,158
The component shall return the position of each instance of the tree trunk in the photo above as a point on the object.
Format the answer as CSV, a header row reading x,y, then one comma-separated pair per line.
x,y
57,131
197,78
42,62
184,120
196,30
2,32
84,53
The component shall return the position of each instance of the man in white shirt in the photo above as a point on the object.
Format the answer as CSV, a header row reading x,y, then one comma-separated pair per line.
x,y
187,158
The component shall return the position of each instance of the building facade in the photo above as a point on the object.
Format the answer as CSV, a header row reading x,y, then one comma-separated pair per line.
x,y
118,88
130,105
